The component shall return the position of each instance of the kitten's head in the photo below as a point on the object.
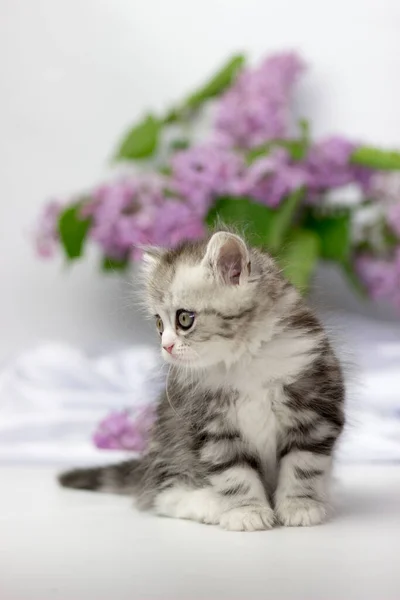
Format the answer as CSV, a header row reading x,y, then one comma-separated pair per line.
x,y
207,298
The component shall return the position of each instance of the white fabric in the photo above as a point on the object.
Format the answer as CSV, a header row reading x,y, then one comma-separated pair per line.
x,y
52,398
370,351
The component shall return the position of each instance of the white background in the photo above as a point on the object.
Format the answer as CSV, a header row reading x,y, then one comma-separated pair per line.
x,y
75,73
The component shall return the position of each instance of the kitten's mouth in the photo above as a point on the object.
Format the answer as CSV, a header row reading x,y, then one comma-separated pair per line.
x,y
173,358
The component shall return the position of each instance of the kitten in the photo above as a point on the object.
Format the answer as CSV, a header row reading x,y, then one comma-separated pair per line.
x,y
254,401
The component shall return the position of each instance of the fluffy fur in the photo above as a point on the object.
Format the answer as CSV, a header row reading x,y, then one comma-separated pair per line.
x,y
254,401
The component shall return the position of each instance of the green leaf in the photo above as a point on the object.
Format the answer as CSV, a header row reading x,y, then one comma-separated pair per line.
x,y
297,250
218,83
282,219
172,116
334,232
250,217
179,144
390,238
257,152
299,257
263,226
140,141
297,149
114,264
374,158
304,142
165,170
73,230
167,193
304,126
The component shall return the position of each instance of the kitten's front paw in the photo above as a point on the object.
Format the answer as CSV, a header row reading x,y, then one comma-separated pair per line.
x,y
297,512
248,518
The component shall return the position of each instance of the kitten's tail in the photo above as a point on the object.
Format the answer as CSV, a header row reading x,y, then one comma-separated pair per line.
x,y
122,478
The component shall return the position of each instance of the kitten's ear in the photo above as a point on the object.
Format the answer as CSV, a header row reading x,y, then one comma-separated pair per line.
x,y
229,258
151,256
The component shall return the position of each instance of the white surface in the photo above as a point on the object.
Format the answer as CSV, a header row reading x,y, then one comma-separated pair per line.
x,y
74,75
83,546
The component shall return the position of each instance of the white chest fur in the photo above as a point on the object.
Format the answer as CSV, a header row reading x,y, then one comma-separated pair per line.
x,y
252,414
258,378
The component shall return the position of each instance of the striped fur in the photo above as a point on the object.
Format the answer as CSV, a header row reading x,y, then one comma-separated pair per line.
x,y
253,408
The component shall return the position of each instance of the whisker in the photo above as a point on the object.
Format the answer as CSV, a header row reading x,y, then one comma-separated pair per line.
x,y
168,396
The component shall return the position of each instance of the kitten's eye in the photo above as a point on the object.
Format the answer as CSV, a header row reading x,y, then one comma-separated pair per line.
x,y
184,319
159,324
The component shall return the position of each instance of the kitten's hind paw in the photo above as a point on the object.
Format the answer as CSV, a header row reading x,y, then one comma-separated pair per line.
x,y
248,518
201,505
300,512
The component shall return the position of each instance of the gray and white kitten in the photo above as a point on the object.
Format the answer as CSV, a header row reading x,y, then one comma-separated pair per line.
x,y
254,401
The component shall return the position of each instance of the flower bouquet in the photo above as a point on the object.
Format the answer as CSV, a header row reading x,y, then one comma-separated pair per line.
x,y
256,166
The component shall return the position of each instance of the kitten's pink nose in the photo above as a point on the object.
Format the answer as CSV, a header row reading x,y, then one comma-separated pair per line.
x,y
169,348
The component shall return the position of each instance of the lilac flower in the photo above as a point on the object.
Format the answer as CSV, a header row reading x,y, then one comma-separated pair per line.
x,y
124,430
256,108
176,221
130,213
385,188
202,172
123,213
393,218
381,276
270,179
328,165
46,234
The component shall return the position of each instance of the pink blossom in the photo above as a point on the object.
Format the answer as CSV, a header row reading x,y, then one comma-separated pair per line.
x,y
124,213
202,172
393,218
46,234
381,276
385,187
256,108
329,166
125,430
176,221
270,179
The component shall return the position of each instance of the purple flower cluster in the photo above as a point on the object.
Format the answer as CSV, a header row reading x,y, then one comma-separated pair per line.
x,y
381,277
328,166
385,189
393,218
132,212
203,172
271,178
256,108
46,232
123,213
163,210
125,430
